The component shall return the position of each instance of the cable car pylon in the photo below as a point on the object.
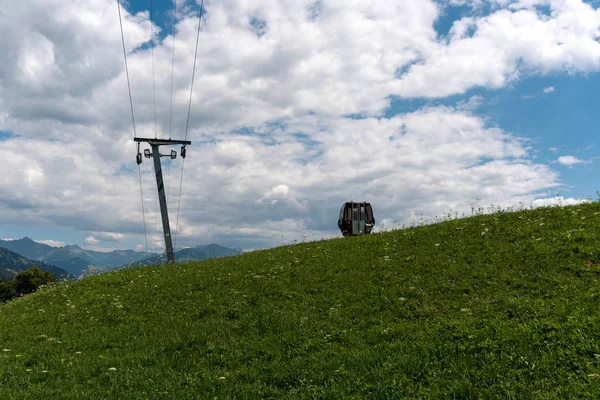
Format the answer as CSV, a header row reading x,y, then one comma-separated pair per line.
x,y
155,143
162,198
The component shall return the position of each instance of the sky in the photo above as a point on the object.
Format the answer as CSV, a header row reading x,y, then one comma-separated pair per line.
x,y
422,108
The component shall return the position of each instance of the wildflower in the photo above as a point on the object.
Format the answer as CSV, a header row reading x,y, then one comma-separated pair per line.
x,y
112,369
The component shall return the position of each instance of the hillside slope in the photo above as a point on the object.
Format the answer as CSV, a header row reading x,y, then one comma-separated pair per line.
x,y
109,260
59,256
12,263
496,306
198,253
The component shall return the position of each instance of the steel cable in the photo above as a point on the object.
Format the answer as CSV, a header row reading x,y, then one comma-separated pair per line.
x,y
153,79
187,125
172,68
171,105
133,122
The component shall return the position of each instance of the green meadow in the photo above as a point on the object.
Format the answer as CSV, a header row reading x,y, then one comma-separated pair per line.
x,y
503,306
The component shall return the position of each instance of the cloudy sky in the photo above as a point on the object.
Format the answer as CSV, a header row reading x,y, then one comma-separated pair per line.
x,y
420,107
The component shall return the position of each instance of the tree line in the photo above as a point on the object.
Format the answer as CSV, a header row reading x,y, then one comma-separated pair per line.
x,y
24,282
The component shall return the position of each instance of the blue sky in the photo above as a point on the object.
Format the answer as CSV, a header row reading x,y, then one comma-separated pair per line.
x,y
477,100
563,122
162,12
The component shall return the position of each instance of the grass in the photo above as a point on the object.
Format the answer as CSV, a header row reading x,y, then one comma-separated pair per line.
x,y
494,306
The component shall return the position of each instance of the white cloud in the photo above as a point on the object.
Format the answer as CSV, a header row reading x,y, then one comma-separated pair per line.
x,y
550,89
494,50
273,155
53,243
109,236
276,193
91,240
569,160
558,201
427,162
471,104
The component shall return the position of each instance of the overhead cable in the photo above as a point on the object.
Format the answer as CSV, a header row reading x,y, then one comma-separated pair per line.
x,y
133,122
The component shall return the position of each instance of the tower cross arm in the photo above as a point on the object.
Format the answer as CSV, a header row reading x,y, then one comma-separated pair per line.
x,y
161,142
156,143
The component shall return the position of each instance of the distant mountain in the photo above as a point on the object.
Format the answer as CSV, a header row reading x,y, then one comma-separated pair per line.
x,y
12,263
198,253
58,256
76,260
111,259
215,251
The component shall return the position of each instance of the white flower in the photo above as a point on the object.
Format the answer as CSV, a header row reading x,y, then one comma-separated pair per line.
x,y
112,369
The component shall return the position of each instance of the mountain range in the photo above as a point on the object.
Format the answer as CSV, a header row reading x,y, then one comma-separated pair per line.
x,y
198,253
76,260
57,256
12,263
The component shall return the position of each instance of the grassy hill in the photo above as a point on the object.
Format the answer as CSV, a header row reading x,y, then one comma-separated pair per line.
x,y
495,306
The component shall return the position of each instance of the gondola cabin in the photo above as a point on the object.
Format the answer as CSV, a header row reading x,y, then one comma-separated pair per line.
x,y
356,219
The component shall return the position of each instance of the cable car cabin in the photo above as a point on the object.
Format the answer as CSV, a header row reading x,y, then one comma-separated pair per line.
x,y
356,219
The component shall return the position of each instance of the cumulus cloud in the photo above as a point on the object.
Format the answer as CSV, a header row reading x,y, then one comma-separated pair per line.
x,y
558,201
109,236
550,89
275,153
508,44
471,104
569,160
418,163
53,243
91,240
